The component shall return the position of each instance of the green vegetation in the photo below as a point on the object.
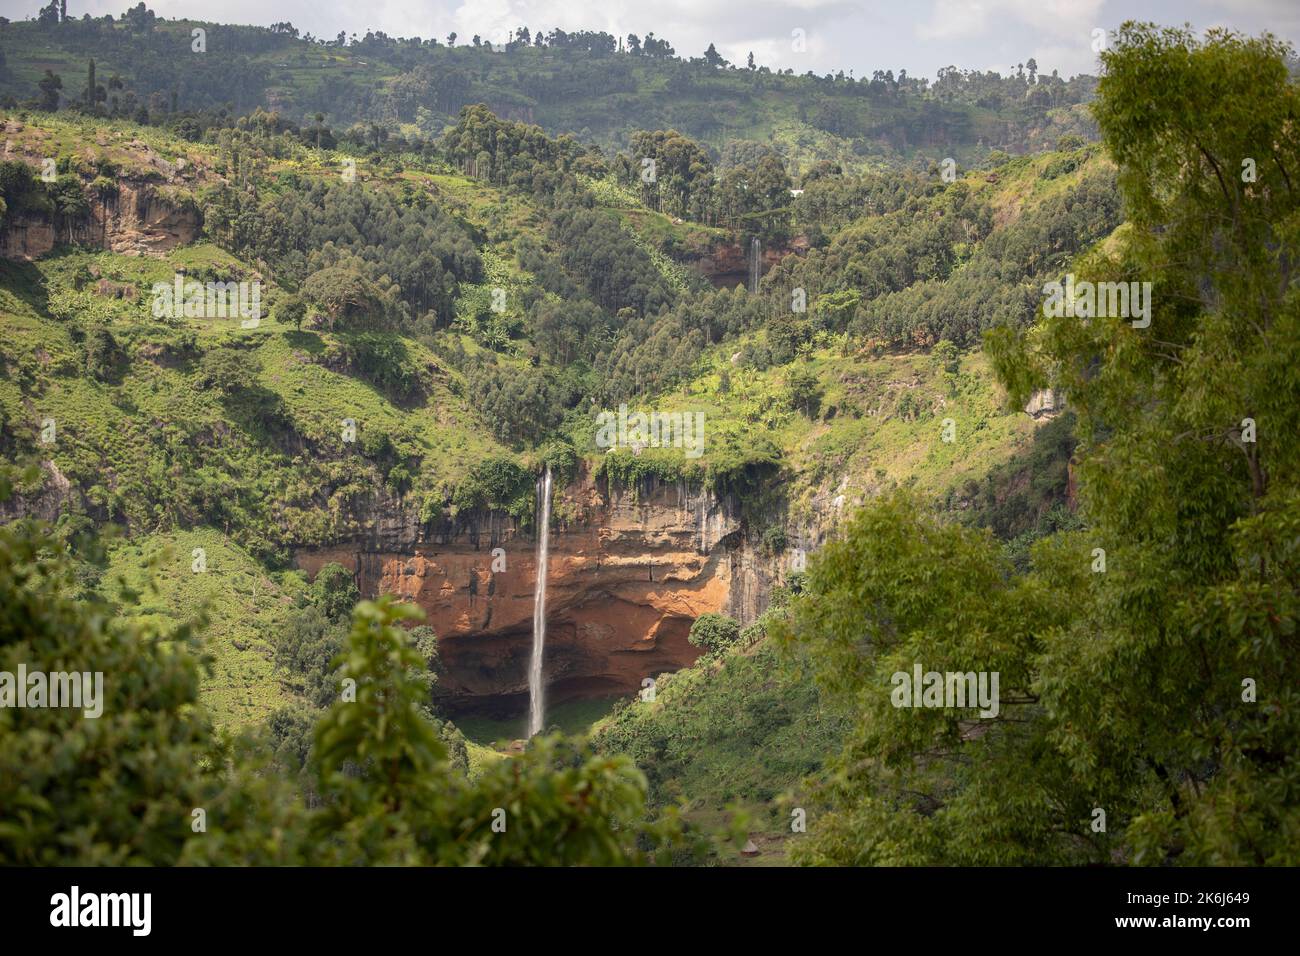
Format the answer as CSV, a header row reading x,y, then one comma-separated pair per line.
x,y
1148,693
193,432
730,739
153,582
714,632
595,87
388,793
446,300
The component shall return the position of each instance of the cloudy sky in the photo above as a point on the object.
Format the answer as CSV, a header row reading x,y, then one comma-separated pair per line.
x,y
860,35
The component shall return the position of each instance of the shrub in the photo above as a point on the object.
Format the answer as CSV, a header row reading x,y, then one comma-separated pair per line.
x,y
335,591
714,632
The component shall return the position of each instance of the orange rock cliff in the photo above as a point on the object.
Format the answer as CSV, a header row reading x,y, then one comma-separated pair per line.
x,y
630,570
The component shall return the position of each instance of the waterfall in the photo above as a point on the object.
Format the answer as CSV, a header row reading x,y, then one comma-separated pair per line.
x,y
536,705
755,263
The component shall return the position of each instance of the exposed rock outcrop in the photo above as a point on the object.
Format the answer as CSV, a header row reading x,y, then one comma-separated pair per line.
x,y
136,220
727,265
46,502
630,570
1045,403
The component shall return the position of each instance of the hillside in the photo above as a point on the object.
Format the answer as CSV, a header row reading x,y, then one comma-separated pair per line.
x,y
562,451
165,424
591,85
198,433
439,319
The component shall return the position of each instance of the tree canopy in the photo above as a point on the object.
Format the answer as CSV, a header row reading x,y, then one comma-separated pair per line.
x,y
1147,664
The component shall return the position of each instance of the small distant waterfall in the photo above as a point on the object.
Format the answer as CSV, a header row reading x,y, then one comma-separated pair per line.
x,y
536,705
755,263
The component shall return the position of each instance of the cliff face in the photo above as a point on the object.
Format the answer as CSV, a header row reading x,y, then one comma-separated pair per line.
x,y
45,502
630,571
726,265
134,221
1045,403
146,213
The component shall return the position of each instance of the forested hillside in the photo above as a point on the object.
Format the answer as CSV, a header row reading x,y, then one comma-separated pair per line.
x,y
593,86
309,523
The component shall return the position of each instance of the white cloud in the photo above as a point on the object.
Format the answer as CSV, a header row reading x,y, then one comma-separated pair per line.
x,y
862,35
977,18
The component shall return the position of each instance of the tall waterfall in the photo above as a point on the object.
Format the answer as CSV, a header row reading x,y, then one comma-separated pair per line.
x,y
755,263
536,705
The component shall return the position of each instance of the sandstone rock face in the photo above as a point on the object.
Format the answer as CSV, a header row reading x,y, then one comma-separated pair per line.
x,y
727,265
46,503
1045,403
26,238
630,570
135,221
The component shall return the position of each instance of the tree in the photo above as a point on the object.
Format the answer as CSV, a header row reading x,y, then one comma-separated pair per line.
x,y
70,776
102,351
784,335
335,590
292,309
391,796
140,19
74,792
307,647
1147,663
804,392
68,199
50,85
20,188
770,185
947,356
230,371
349,300
714,632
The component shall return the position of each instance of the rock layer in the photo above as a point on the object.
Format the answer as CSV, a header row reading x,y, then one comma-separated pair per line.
x,y
630,571
136,220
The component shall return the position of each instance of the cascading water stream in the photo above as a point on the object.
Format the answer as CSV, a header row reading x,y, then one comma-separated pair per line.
x,y
536,706
755,263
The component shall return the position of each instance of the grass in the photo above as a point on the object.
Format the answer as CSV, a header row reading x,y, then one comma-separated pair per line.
x,y
147,442
143,440
572,717
481,757
132,148
881,420
880,424
154,401
244,606
735,734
